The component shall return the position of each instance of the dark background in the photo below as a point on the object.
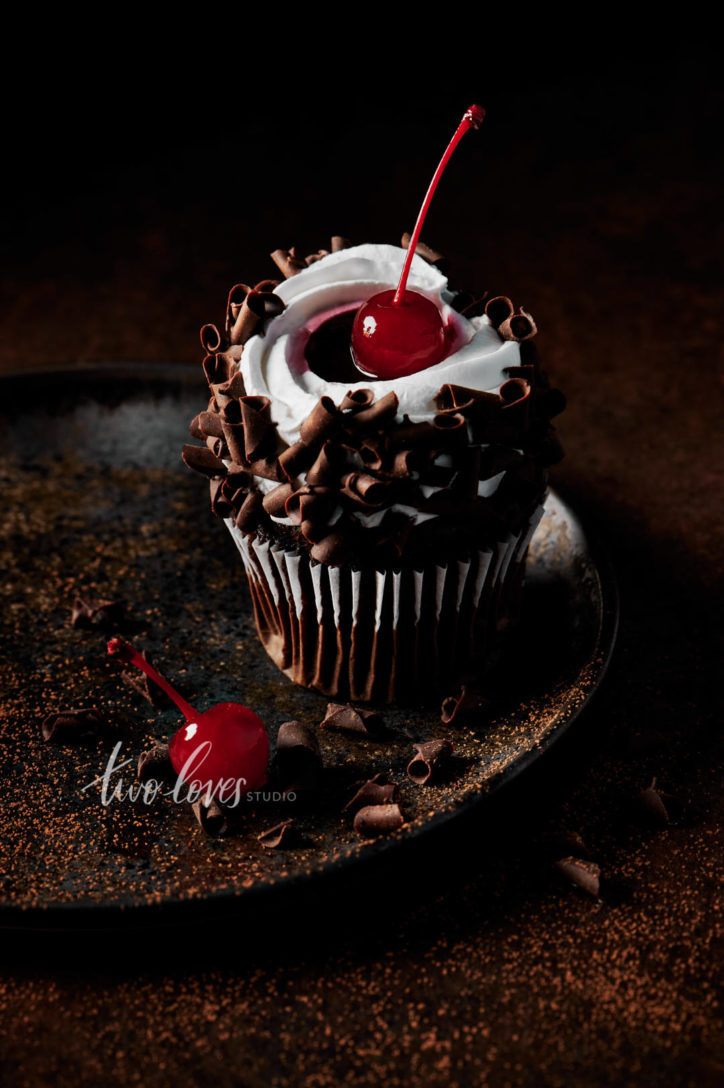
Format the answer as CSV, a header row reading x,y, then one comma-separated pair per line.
x,y
134,197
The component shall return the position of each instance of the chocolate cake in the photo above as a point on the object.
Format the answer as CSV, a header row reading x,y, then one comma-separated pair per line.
x,y
383,524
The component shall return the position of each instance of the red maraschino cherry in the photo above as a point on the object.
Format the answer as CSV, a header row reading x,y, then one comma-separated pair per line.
x,y
226,743
399,332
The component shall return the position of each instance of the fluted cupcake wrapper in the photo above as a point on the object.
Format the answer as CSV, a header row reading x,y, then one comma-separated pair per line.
x,y
380,636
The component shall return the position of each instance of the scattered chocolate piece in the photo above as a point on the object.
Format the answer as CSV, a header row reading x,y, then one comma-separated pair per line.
x,y
351,719
377,820
71,726
376,791
432,755
91,613
652,805
297,761
284,834
145,686
584,874
288,262
455,707
340,242
213,818
155,763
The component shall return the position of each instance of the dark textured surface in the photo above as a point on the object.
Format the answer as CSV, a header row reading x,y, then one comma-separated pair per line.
x,y
597,209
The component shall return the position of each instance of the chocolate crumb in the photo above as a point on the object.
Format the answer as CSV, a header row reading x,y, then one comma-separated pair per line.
x,y
284,834
351,719
93,614
431,757
378,820
72,726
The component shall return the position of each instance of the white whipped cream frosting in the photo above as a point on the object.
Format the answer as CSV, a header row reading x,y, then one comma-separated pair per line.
x,y
274,365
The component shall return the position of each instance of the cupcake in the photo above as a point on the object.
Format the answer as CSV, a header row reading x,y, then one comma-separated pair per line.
x,y
383,523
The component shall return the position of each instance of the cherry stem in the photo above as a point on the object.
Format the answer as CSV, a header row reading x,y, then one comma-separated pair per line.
x,y
472,118
117,647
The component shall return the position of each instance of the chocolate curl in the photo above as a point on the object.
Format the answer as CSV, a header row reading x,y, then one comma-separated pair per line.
x,y
234,388
210,339
275,500
520,326
384,408
251,512
250,314
296,459
256,415
310,503
378,820
414,435
321,422
298,760
431,757
376,791
144,686
212,817
209,423
217,446
584,874
287,261
652,805
269,469
357,399
202,460
474,308
470,402
72,726
452,429
155,764
238,479
515,397
218,370
220,505
284,834
353,719
364,489
268,305
498,310
371,456
324,471
408,461
93,614
232,429
266,287
468,702
235,301
333,549
314,257
339,242
195,427
427,252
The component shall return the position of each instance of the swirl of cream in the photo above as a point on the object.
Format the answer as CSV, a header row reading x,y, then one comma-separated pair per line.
x,y
274,364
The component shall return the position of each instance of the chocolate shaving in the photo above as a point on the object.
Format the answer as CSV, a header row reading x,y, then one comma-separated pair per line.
x,y
266,287
274,502
321,422
284,834
357,399
155,764
202,460
363,489
209,424
258,427
296,459
287,261
652,805
220,505
339,242
250,513
234,303
217,369
145,686
586,875
212,817
378,820
248,317
72,726
93,614
498,310
332,549
234,388
312,258
325,471
520,326
233,432
297,761
470,701
352,719
381,410
432,755
376,791
210,339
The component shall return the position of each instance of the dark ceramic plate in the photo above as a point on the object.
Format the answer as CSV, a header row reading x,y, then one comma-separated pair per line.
x,y
97,503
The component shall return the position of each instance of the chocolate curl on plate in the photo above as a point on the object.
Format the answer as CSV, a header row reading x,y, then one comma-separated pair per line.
x,y
202,460
378,820
72,726
427,252
210,339
353,719
287,261
91,613
432,755
376,791
339,242
468,702
383,409
452,429
586,875
237,295
357,399
364,490
274,501
155,763
284,834
212,817
220,505
144,686
520,326
321,422
232,429
256,415
250,513
651,805
498,310
298,760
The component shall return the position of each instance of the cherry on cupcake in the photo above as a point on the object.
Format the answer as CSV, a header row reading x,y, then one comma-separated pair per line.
x,y
227,742
399,332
